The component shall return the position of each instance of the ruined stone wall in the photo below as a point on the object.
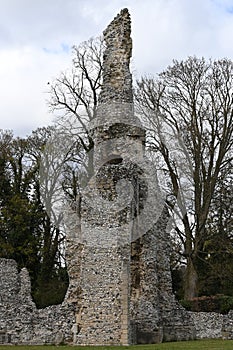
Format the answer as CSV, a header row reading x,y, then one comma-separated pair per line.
x,y
100,283
122,222
207,324
20,321
227,326
117,79
120,289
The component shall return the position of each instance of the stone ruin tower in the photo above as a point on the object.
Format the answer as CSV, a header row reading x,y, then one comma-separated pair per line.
x,y
120,289
119,255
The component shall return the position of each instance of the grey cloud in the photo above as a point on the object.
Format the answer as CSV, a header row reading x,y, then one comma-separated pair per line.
x,y
28,22
162,30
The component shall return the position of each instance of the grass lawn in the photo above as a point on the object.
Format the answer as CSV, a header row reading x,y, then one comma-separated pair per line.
x,y
187,345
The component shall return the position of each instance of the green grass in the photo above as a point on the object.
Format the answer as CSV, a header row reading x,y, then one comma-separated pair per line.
x,y
187,345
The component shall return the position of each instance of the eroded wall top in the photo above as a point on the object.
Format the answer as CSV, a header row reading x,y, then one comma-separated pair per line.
x,y
117,79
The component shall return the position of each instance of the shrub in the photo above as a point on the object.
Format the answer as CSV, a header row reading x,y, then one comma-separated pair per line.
x,y
217,303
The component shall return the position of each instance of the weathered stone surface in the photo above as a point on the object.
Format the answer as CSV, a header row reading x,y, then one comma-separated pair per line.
x,y
207,324
117,248
117,79
103,308
227,326
123,231
20,321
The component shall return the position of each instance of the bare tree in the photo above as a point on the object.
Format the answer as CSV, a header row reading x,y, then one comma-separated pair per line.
x,y
188,110
66,162
73,100
74,95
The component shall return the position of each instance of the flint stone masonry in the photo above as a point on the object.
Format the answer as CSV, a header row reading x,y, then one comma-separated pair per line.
x,y
208,324
20,321
227,326
117,79
123,298
117,247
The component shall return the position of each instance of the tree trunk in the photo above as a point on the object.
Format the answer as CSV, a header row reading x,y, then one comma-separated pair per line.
x,y
190,280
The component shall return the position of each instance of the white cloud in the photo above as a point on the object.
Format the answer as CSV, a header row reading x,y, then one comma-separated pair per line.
x,y
175,29
24,74
36,37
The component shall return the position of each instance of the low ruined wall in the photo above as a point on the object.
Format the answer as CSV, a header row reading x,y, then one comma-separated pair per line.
x,y
207,324
227,328
20,321
213,325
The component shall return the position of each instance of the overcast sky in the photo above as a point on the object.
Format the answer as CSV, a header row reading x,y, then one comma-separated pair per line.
x,y
36,37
